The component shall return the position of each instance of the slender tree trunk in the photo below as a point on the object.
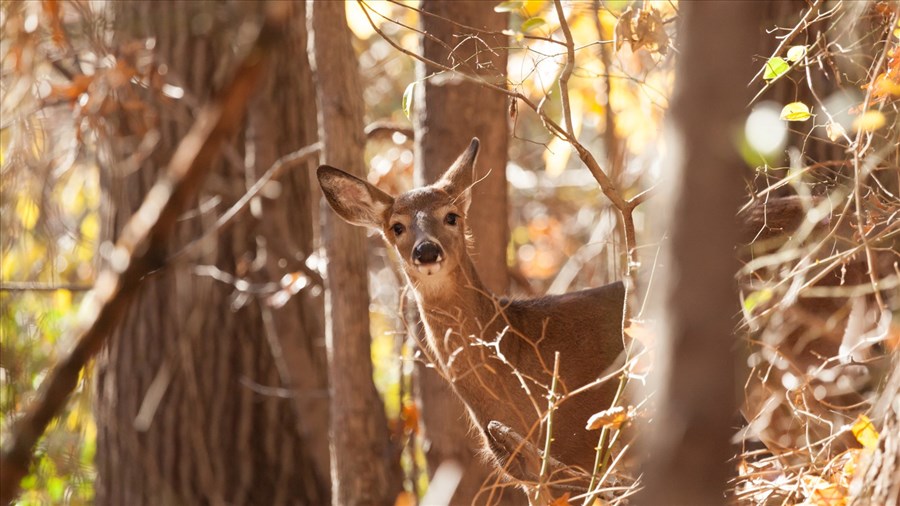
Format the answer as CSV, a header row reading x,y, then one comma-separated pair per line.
x,y
190,405
364,464
695,383
287,228
448,113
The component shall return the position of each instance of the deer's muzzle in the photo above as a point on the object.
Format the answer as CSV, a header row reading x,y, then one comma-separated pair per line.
x,y
427,252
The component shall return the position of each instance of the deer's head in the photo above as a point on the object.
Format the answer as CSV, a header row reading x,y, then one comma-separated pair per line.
x,y
426,226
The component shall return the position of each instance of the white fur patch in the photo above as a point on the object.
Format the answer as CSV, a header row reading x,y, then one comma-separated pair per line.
x,y
429,269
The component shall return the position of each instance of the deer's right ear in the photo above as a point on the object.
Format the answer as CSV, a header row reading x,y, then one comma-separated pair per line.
x,y
354,200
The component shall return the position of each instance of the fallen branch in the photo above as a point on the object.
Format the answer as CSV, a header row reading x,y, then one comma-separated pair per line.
x,y
141,248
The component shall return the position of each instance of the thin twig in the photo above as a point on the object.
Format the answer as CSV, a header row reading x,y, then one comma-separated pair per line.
x,y
278,168
551,400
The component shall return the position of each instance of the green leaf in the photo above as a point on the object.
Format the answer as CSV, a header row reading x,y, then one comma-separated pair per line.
x,y
406,103
795,111
796,53
757,298
533,23
508,6
775,67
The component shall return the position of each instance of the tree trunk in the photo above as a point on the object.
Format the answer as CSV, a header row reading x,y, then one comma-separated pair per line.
x,y
695,379
364,464
448,113
190,405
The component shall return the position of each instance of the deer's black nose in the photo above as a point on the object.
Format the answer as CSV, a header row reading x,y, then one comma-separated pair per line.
x,y
427,253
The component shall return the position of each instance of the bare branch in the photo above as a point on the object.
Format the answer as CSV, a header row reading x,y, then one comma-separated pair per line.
x,y
382,128
568,68
35,286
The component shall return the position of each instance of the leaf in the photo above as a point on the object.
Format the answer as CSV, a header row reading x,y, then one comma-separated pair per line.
x,y
796,53
532,23
410,416
864,432
613,418
562,500
795,111
406,103
508,6
775,67
405,498
757,298
869,121
27,211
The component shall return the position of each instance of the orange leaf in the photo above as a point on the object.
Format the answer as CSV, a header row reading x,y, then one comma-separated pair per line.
x,y
562,500
410,416
613,417
405,498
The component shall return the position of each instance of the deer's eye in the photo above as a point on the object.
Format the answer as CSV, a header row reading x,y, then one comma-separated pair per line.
x,y
451,218
398,228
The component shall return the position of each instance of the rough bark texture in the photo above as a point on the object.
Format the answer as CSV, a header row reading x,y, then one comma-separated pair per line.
x,y
364,464
691,434
190,405
448,113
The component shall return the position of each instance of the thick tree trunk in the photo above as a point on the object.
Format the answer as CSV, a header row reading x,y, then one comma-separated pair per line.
x,y
448,113
695,379
190,405
364,464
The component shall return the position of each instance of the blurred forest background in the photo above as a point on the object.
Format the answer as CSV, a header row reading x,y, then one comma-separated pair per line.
x,y
213,381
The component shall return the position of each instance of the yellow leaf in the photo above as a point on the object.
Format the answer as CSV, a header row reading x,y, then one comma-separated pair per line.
x,y
869,121
532,7
27,211
831,495
62,300
795,111
90,227
865,432
8,261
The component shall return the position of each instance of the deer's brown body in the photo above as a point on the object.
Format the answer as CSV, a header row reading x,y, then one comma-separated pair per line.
x,y
497,354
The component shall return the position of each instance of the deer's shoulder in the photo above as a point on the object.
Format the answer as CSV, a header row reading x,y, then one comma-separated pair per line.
x,y
586,311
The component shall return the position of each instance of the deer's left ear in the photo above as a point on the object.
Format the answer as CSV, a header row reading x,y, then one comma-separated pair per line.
x,y
458,179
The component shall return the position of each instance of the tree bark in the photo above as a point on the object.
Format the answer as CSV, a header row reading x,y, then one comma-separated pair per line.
x,y
690,440
184,403
449,111
364,464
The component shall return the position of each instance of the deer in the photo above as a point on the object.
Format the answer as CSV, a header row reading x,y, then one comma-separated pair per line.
x,y
497,354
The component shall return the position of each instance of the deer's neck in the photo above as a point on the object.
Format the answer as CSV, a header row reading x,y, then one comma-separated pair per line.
x,y
466,329
459,313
